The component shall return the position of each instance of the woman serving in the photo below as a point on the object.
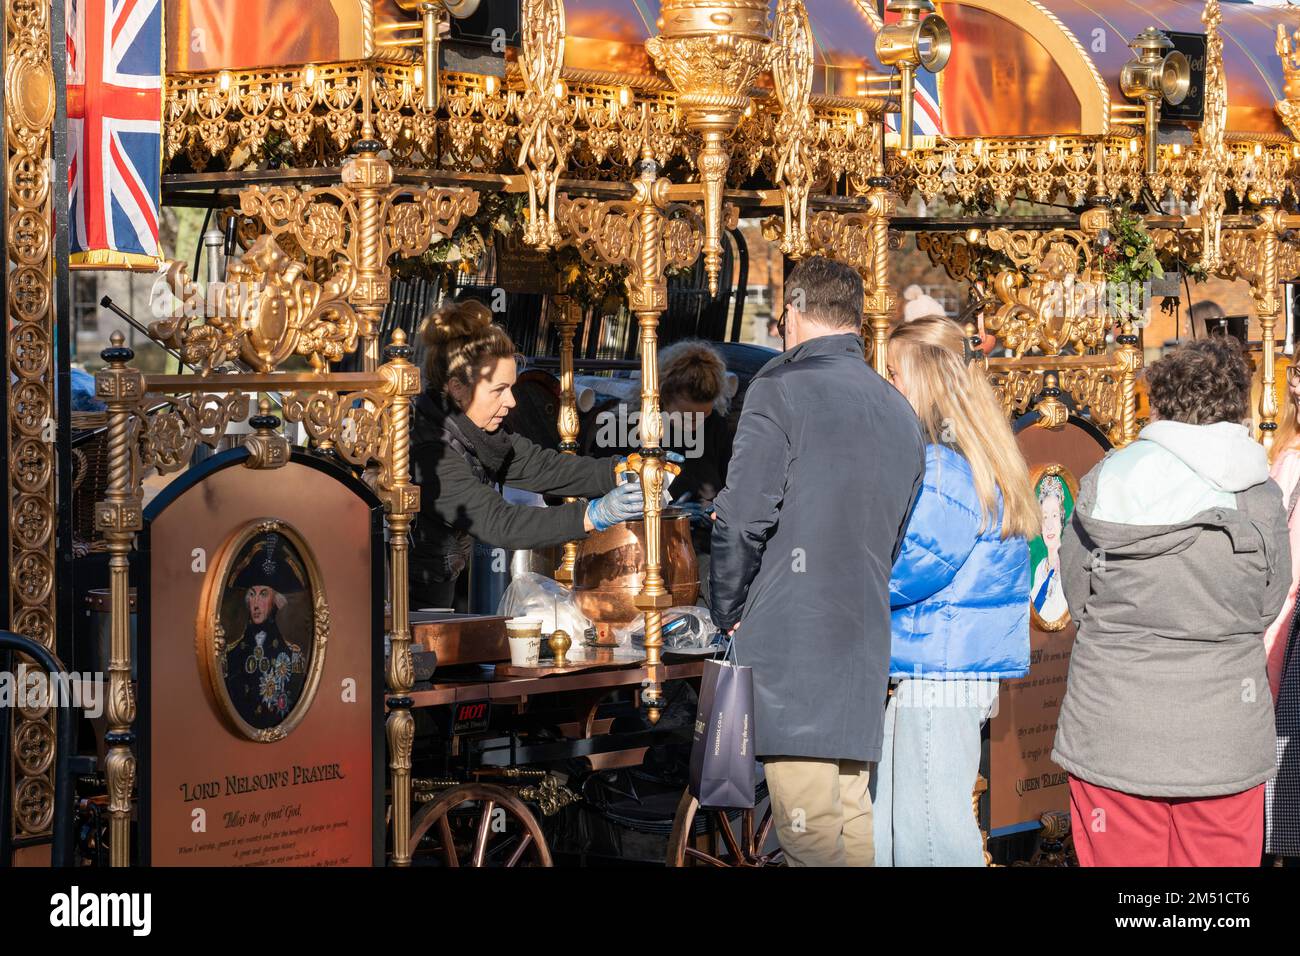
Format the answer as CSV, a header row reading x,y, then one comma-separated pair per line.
x,y
460,458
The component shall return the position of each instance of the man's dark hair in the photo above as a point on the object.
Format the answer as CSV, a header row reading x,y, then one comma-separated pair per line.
x,y
1201,383
827,292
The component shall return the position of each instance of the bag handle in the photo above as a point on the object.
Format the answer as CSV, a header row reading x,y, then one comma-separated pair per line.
x,y
729,655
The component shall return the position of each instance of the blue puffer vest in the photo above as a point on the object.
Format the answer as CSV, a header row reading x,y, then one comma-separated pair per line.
x,y
959,596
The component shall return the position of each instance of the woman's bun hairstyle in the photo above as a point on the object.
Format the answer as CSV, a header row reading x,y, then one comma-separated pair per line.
x,y
695,370
457,320
458,337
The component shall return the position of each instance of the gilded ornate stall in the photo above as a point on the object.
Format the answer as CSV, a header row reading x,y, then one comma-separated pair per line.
x,y
636,145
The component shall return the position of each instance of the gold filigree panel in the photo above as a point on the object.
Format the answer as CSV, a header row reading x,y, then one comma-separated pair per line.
x,y
1042,169
29,322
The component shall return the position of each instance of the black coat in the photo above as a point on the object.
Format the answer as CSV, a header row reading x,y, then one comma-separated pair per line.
x,y
828,461
459,468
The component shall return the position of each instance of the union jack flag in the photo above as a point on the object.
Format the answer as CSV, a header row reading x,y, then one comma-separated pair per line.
x,y
927,117
114,130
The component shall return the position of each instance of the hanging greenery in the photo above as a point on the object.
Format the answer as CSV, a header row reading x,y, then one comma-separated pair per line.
x,y
588,284
464,249
1131,254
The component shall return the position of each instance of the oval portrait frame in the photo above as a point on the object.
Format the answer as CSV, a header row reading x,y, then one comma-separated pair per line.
x,y
212,639
1072,485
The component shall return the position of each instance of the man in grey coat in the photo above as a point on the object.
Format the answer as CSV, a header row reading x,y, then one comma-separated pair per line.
x,y
827,463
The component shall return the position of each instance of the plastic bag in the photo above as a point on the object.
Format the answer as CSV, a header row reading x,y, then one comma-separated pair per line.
x,y
535,595
685,628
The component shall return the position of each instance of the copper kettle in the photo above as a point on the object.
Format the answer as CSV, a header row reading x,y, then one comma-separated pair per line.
x,y
611,569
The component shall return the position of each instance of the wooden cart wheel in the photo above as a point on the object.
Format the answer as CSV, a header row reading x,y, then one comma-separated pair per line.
x,y
735,840
477,824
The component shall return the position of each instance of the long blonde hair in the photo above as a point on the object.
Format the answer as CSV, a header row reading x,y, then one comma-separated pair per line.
x,y
957,407
1288,429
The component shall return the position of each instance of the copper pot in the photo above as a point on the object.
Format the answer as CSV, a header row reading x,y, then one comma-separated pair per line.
x,y
611,569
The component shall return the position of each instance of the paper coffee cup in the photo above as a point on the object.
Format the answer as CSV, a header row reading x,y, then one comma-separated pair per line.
x,y
525,634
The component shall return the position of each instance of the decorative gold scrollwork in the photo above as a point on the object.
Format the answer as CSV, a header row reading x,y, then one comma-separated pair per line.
x,y
1213,168
792,70
169,436
1064,301
352,423
267,312
543,147
29,112
608,232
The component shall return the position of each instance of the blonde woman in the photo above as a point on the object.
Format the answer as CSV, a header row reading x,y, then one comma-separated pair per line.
x,y
960,600
1282,795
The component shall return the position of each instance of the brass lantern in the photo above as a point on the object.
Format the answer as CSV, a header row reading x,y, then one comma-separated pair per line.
x,y
915,39
1158,74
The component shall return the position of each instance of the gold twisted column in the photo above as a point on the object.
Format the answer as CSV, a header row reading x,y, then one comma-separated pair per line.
x,y
879,304
369,178
1129,357
570,314
367,28
118,517
402,499
1268,303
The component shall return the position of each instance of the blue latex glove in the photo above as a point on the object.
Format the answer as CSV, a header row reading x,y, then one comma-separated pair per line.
x,y
624,503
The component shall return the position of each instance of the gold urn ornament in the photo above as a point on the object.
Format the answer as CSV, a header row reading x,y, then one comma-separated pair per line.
x,y
712,53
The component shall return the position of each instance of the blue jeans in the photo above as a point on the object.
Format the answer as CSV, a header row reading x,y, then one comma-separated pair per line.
x,y
927,770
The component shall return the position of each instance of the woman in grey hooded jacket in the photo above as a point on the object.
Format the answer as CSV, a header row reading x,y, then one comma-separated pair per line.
x,y
1175,562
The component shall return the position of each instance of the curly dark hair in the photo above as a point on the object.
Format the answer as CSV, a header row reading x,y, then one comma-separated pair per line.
x,y
1201,383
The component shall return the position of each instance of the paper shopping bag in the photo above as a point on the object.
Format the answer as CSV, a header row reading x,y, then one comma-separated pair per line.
x,y
722,753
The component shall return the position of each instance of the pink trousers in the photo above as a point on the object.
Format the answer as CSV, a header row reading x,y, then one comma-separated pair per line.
x,y
1119,829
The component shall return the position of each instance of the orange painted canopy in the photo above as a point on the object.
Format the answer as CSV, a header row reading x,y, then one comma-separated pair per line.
x,y
1019,67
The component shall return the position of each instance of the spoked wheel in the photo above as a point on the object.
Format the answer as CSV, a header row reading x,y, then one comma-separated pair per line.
x,y
477,824
733,837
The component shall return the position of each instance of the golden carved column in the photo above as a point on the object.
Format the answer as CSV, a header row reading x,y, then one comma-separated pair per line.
x,y
29,108
570,316
118,517
369,178
880,301
712,50
1268,303
402,500
1129,357
647,292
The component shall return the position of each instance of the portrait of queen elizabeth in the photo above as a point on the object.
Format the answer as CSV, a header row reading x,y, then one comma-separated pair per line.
x,y
1046,595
